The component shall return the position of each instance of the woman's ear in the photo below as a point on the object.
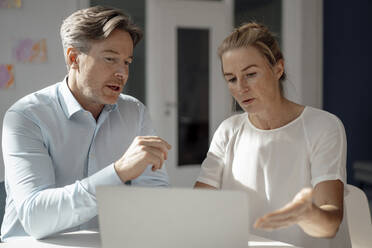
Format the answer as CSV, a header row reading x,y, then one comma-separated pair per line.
x,y
72,57
279,69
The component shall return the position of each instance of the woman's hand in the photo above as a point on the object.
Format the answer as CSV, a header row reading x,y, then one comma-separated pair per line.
x,y
298,209
317,211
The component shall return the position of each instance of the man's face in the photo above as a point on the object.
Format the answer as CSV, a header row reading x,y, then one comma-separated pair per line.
x,y
102,72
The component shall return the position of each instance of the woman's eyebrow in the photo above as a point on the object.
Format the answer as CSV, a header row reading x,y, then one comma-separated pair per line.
x,y
249,66
244,69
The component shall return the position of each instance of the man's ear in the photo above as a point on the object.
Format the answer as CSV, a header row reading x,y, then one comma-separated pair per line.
x,y
72,57
279,68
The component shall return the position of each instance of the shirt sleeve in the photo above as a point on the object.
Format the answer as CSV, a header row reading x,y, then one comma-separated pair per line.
x,y
149,178
42,208
328,157
213,165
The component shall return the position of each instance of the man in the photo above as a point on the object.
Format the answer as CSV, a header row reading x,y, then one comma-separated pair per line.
x,y
61,142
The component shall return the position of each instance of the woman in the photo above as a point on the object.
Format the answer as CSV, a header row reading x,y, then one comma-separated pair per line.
x,y
288,157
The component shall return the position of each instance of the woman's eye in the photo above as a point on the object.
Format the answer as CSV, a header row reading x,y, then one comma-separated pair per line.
x,y
231,80
249,75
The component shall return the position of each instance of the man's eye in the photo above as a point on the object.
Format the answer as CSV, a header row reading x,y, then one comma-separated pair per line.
x,y
128,62
108,59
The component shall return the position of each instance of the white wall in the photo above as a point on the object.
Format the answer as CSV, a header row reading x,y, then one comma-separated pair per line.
x,y
302,35
36,19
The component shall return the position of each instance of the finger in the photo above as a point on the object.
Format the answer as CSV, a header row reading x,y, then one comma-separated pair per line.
x,y
291,209
280,218
155,157
161,148
265,222
155,144
270,225
281,214
154,161
156,166
154,141
154,154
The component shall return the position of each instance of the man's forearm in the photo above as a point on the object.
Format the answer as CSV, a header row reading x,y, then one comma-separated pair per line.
x,y
52,210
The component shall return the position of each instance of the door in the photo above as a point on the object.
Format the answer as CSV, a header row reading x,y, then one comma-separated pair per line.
x,y
185,91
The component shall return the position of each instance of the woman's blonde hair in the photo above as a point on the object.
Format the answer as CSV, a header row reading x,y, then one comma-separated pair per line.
x,y
258,36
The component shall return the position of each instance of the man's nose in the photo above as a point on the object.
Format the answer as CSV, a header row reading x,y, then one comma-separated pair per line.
x,y
121,75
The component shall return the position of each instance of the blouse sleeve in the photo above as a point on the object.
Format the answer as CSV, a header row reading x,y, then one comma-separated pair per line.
x,y
213,164
328,153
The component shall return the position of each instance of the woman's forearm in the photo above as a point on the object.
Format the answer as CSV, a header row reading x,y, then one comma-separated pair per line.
x,y
322,222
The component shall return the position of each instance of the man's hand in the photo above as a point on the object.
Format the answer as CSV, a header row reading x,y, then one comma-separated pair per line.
x,y
292,213
144,151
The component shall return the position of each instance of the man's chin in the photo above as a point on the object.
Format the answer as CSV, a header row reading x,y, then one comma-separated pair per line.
x,y
111,100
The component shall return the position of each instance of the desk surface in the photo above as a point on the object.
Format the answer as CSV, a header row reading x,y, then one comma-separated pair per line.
x,y
91,239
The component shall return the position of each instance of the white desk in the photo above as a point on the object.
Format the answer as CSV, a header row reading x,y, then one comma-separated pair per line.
x,y
91,239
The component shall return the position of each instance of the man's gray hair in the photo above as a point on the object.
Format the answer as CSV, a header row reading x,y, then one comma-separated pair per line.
x,y
95,23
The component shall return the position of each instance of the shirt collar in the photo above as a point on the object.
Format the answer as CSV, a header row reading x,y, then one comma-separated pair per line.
x,y
110,107
69,103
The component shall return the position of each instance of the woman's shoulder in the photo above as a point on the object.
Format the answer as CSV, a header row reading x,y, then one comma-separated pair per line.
x,y
235,121
319,121
231,126
228,130
320,116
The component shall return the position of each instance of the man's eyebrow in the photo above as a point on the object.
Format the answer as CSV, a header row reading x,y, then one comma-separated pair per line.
x,y
115,52
110,51
245,68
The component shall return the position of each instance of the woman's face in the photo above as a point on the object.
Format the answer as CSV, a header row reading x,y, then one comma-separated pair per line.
x,y
251,80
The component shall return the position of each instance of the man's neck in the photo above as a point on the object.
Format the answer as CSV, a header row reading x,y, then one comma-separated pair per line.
x,y
94,108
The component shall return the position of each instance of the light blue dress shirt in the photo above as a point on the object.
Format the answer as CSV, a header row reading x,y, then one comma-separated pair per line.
x,y
56,153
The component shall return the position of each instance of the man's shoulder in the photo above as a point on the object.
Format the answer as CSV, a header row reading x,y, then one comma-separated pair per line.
x,y
37,100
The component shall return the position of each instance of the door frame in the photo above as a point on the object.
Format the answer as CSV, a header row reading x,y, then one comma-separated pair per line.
x,y
160,97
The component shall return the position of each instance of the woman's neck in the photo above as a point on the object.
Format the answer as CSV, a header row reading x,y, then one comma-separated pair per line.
x,y
277,115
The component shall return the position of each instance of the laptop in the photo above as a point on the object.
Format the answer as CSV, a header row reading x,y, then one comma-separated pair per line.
x,y
134,217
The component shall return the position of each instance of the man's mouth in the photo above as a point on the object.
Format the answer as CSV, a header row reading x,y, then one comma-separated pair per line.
x,y
114,88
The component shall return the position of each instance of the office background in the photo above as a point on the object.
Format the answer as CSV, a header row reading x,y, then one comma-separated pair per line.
x,y
341,82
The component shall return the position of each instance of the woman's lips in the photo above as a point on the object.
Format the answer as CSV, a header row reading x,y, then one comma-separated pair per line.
x,y
248,101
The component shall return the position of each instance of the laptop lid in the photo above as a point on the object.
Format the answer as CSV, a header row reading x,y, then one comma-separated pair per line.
x,y
165,217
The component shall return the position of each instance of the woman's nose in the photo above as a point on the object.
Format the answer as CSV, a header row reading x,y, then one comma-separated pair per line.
x,y
242,85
